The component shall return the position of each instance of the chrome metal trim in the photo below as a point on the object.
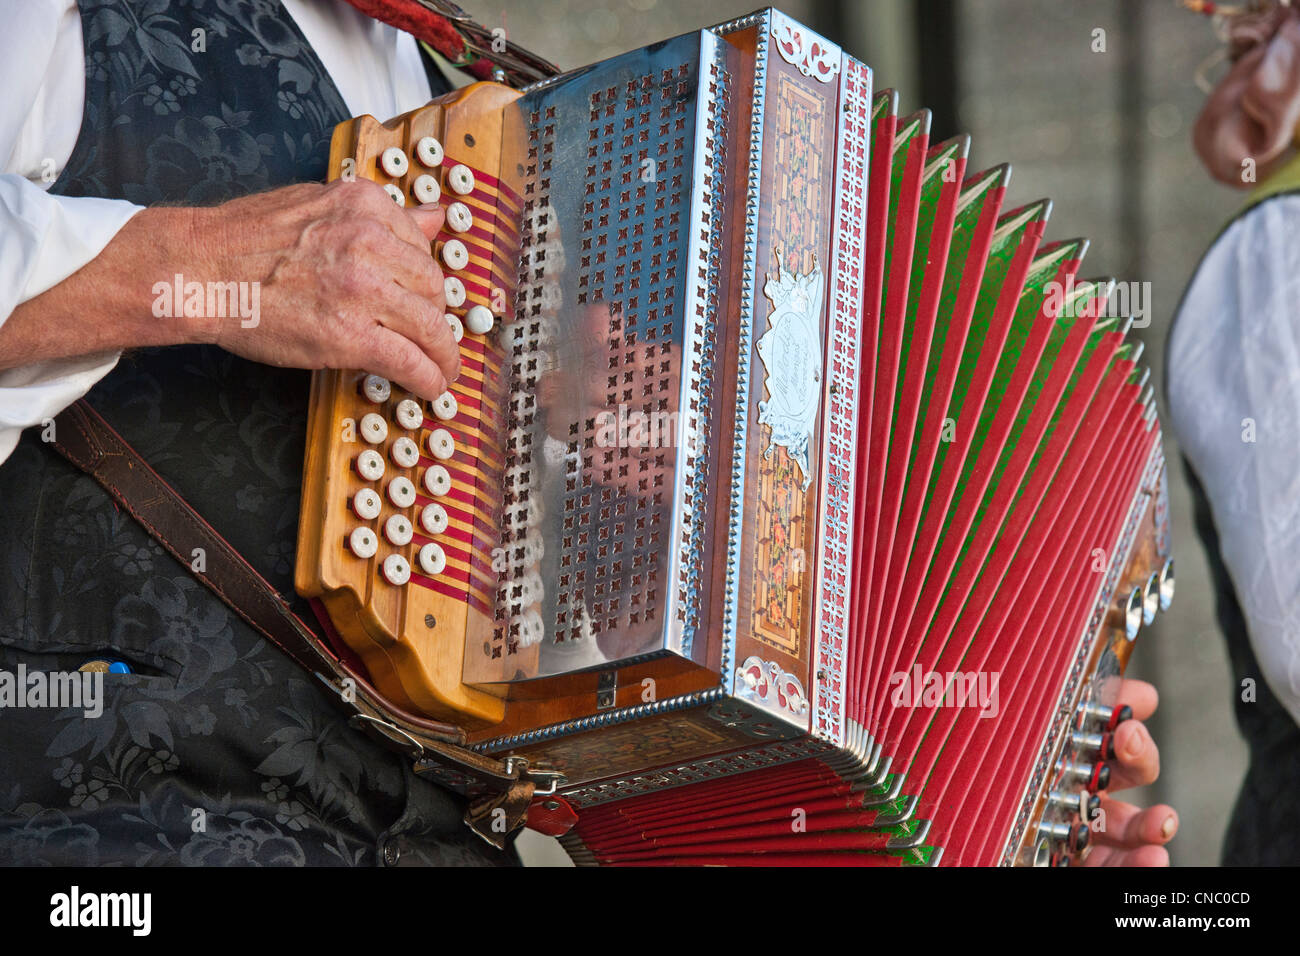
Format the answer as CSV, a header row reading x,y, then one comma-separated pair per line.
x,y
748,317
823,67
607,719
1150,599
1166,584
690,524
764,683
392,732
902,816
607,689
840,434
740,23
889,796
912,841
1043,853
1133,614
879,768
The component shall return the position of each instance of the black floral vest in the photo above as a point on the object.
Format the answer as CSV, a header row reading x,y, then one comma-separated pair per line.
x,y
216,749
1264,829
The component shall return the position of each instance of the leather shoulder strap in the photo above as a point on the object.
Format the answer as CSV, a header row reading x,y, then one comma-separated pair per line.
x,y
89,442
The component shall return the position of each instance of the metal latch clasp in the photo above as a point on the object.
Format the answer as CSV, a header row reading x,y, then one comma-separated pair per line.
x,y
539,775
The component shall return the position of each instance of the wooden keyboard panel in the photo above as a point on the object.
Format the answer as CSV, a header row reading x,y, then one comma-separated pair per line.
x,y
406,557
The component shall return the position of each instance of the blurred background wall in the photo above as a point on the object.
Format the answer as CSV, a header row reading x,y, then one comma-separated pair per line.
x,y
1092,102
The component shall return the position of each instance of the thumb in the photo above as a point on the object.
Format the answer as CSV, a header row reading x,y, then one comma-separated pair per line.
x,y
429,219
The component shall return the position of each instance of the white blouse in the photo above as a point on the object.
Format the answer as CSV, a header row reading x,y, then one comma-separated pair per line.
x,y
45,238
1234,394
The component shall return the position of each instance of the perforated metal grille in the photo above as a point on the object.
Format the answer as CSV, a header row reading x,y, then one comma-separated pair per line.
x,y
617,489
595,356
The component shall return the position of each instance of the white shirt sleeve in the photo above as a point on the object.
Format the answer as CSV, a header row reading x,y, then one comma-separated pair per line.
x,y
1234,397
46,238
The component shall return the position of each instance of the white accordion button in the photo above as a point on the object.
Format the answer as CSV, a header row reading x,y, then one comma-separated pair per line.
x,y
479,320
401,492
398,530
405,452
434,518
394,162
437,480
370,465
441,445
377,388
445,407
366,504
460,179
457,327
454,254
425,189
454,291
429,151
432,559
396,570
534,550
395,194
363,543
459,217
373,428
409,414
530,629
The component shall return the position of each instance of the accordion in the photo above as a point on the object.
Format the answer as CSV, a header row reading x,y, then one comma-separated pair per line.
x,y
797,502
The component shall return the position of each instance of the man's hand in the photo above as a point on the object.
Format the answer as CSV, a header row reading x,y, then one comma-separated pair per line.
x,y
344,276
1133,836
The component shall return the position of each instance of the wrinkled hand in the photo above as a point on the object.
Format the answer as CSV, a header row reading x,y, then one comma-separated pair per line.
x,y
346,281
1133,836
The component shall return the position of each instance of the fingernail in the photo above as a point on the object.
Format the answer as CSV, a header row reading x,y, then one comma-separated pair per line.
x,y
1169,826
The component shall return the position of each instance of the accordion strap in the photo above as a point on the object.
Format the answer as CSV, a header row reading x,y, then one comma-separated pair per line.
x,y
84,438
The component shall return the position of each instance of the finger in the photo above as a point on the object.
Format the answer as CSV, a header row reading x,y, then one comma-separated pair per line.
x,y
400,360
415,271
377,203
1122,824
1142,697
429,220
409,261
419,320
1136,760
404,225
1139,856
